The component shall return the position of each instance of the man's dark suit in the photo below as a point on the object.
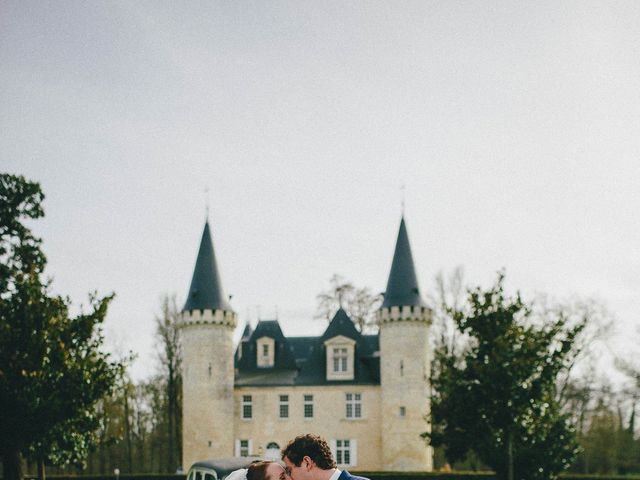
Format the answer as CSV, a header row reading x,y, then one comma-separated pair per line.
x,y
347,476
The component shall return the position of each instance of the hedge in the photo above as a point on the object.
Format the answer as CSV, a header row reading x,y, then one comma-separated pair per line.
x,y
371,475
475,475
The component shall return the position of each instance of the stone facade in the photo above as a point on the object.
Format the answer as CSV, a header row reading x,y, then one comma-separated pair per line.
x,y
329,419
207,385
405,388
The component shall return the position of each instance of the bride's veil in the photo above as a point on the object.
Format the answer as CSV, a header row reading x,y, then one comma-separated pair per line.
x,y
240,474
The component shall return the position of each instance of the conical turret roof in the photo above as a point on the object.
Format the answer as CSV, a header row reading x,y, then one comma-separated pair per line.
x,y
206,290
402,286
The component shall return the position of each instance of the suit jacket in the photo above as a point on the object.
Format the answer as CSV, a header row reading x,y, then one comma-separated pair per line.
x,y
347,476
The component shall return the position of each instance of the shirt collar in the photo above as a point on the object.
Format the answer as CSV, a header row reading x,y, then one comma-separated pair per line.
x,y
336,474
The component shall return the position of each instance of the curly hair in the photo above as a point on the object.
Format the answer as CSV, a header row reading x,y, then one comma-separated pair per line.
x,y
312,446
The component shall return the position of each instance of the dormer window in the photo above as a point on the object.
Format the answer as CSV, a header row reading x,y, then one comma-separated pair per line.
x,y
265,352
340,358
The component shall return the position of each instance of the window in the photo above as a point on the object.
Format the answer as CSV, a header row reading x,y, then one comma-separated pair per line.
x,y
339,360
244,448
340,355
284,406
354,405
308,406
403,411
265,352
247,407
345,451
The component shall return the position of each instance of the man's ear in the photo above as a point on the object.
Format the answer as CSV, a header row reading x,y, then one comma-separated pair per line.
x,y
308,463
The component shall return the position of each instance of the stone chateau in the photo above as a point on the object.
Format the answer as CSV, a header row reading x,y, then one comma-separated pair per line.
x,y
367,395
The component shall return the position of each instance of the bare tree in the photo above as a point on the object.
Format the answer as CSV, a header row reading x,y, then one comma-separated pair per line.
x,y
582,375
170,358
448,296
359,303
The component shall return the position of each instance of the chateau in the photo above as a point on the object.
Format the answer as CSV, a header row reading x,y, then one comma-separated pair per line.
x,y
368,395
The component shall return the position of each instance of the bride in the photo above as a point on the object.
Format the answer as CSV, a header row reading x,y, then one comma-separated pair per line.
x,y
261,470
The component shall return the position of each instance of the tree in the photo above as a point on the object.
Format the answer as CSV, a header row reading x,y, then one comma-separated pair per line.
x,y
52,368
359,303
170,357
132,434
508,373
447,297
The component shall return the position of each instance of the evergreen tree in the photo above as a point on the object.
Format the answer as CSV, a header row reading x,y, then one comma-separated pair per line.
x,y
52,369
498,398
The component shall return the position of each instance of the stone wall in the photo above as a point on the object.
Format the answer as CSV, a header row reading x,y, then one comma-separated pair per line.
x,y
207,390
404,371
329,418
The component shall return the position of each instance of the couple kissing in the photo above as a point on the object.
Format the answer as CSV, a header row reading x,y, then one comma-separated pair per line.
x,y
306,457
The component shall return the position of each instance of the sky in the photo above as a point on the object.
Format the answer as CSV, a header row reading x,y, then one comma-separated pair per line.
x,y
513,127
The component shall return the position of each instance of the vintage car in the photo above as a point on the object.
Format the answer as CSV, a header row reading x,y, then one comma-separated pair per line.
x,y
219,468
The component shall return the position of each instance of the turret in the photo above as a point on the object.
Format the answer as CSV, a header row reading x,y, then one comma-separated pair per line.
x,y
404,321
207,326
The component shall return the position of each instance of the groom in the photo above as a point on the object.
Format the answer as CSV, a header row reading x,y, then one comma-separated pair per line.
x,y
308,457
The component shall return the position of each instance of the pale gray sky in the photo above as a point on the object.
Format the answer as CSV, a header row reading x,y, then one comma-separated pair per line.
x,y
514,125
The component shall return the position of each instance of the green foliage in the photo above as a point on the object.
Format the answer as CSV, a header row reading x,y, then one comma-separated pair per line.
x,y
498,397
52,369
140,423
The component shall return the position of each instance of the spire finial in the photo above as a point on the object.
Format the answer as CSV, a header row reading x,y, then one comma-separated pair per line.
x,y
206,201
402,188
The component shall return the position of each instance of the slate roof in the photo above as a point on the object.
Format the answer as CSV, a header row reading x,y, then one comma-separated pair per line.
x,y
246,333
402,286
206,290
283,356
302,360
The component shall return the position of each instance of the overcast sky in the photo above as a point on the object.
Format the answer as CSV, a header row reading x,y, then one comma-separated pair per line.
x,y
515,127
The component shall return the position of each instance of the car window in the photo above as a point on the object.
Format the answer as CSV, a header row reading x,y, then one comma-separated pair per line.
x,y
208,476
